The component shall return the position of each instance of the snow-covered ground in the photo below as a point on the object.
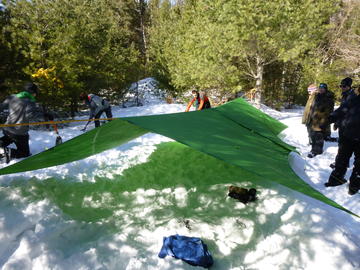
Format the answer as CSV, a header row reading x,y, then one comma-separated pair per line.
x,y
39,229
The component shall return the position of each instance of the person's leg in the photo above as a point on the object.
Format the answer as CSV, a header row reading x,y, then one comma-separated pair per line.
x,y
5,141
345,152
22,147
97,116
327,133
108,113
317,142
317,139
354,185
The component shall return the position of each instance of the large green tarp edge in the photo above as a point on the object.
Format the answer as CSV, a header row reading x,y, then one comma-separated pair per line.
x,y
110,135
236,133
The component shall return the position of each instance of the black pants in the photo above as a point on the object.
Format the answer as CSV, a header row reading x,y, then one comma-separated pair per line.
x,y
347,147
317,142
327,132
345,151
344,155
355,175
98,115
21,142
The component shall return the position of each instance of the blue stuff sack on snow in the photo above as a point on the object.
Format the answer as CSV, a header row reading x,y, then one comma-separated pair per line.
x,y
189,249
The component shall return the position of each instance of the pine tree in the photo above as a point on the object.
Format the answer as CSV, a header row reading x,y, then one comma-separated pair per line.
x,y
91,44
227,44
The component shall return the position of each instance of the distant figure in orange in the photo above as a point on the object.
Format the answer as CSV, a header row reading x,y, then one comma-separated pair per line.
x,y
201,101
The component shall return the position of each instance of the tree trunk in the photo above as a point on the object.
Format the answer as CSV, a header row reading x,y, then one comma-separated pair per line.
x,y
142,14
259,95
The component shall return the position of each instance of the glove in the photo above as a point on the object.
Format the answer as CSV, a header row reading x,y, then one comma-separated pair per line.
x,y
331,119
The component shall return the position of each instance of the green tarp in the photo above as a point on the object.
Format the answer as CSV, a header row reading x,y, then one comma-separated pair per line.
x,y
236,133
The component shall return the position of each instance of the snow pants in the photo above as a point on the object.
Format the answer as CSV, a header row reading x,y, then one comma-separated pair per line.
x,y
108,113
317,142
21,142
347,147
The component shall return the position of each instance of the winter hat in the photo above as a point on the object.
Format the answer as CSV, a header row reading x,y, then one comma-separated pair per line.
x,y
347,81
311,88
323,85
31,88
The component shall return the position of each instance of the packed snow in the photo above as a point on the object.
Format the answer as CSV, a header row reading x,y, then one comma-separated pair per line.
x,y
290,231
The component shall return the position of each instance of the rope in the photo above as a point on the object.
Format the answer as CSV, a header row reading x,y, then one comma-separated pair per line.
x,y
54,122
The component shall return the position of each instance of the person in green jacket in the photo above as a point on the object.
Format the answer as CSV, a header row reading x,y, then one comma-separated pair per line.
x,y
22,108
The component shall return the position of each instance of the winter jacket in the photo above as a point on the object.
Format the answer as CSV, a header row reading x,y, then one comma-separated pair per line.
x,y
96,104
22,109
320,110
344,96
308,108
348,115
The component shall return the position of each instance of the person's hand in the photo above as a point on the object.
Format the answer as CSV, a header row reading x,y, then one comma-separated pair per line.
x,y
335,127
331,119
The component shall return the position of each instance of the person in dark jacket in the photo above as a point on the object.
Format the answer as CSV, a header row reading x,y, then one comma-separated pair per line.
x,y
201,101
319,112
22,108
348,117
98,106
347,92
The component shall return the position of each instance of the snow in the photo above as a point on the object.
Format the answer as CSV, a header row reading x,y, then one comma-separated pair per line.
x,y
289,230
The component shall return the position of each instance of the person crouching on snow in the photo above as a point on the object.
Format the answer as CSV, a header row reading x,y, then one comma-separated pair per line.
x,y
317,118
201,101
98,106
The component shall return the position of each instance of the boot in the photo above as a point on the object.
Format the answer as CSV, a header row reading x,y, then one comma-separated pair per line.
x,y
5,155
353,191
354,185
335,179
313,154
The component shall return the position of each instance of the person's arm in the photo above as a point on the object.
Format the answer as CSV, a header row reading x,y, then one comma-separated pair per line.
x,y
338,113
34,112
201,105
93,108
5,104
189,105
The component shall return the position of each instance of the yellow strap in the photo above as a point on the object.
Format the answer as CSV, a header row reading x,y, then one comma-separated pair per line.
x,y
53,122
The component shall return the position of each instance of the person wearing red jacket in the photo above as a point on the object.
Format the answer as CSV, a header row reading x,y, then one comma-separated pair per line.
x,y
201,101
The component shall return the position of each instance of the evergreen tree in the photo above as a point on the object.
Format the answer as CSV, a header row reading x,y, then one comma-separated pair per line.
x,y
90,44
226,44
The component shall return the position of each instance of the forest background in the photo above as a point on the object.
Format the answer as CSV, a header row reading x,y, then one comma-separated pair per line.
x,y
226,47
